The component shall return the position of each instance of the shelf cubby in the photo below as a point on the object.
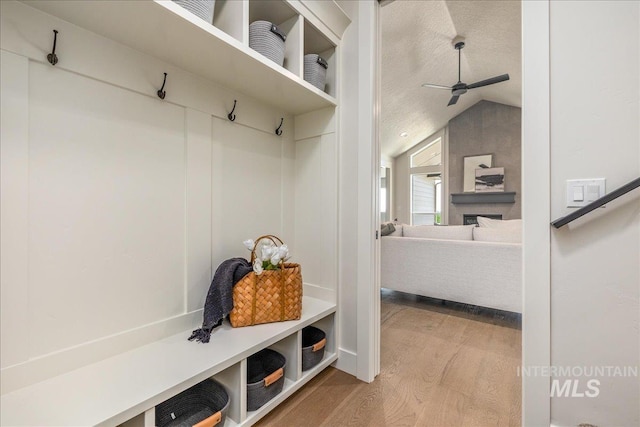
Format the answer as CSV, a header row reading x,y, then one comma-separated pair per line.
x,y
232,379
315,42
288,347
286,19
229,17
327,325
274,11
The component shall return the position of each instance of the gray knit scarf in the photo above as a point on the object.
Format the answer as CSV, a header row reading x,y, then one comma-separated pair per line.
x,y
219,302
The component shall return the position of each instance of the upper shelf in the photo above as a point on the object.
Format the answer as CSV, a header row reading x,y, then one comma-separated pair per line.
x,y
170,33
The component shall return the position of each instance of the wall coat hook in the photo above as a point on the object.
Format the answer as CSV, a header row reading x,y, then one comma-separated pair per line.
x,y
279,131
232,116
52,58
161,92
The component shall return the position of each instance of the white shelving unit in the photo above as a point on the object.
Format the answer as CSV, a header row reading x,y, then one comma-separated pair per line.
x,y
168,32
126,388
120,388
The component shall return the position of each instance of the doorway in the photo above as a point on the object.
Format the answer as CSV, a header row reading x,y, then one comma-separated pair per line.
x,y
410,122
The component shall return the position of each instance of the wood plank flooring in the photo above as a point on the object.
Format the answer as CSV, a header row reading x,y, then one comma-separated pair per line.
x,y
441,365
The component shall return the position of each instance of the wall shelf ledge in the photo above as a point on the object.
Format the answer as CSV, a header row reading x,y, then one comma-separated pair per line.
x,y
483,198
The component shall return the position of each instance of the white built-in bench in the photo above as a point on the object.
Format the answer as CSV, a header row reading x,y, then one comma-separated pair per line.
x,y
127,387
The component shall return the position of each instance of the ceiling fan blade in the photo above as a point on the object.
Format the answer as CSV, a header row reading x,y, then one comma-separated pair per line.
x,y
490,81
453,100
436,86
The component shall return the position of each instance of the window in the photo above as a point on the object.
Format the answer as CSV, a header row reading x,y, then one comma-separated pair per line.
x,y
425,191
431,155
426,186
385,194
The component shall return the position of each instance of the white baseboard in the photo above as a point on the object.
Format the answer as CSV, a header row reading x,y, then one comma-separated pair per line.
x,y
59,362
347,361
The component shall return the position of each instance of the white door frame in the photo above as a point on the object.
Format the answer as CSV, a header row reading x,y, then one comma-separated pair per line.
x,y
536,328
368,283
536,210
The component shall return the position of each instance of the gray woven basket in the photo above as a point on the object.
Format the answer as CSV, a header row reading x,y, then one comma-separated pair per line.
x,y
265,377
313,343
315,70
201,8
203,400
268,40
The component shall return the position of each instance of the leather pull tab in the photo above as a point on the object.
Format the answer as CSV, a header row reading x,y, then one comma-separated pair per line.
x,y
268,380
275,30
324,64
319,345
211,421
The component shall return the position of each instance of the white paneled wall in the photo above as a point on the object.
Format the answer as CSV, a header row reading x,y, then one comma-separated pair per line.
x,y
117,206
199,208
316,210
249,196
14,202
106,209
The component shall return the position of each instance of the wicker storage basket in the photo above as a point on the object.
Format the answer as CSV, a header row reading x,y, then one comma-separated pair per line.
x,y
315,70
313,343
203,405
273,296
268,40
201,8
265,377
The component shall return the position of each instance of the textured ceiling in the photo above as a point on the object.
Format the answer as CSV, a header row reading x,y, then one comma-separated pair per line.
x,y
417,48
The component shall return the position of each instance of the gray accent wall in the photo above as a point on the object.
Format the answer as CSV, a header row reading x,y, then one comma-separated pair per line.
x,y
486,128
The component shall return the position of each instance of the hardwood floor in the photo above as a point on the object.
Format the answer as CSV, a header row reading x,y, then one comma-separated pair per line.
x,y
441,365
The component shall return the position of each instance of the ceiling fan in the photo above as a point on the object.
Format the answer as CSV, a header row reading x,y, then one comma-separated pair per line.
x,y
461,88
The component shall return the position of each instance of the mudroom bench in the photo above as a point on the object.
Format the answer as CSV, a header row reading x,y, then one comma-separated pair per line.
x,y
127,387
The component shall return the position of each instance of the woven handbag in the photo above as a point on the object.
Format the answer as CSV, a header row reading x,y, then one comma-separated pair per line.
x,y
273,296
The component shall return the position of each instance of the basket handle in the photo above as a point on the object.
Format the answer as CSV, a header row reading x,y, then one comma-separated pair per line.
x,y
272,378
211,421
266,236
322,63
275,30
319,345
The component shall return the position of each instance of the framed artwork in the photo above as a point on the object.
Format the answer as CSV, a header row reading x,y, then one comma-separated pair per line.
x,y
489,180
471,163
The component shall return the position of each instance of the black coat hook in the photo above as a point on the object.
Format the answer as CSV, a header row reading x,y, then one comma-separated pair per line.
x,y
278,131
232,116
52,58
161,92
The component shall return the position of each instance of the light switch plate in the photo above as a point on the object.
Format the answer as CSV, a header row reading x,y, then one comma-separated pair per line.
x,y
581,192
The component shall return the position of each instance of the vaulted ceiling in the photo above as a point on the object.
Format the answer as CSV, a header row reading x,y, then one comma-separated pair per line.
x,y
417,48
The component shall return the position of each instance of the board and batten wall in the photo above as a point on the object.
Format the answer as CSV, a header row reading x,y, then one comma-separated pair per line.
x,y
595,261
118,206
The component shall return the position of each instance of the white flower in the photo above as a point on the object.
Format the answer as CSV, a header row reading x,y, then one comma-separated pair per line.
x,y
267,252
249,244
275,259
257,267
283,252
266,242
